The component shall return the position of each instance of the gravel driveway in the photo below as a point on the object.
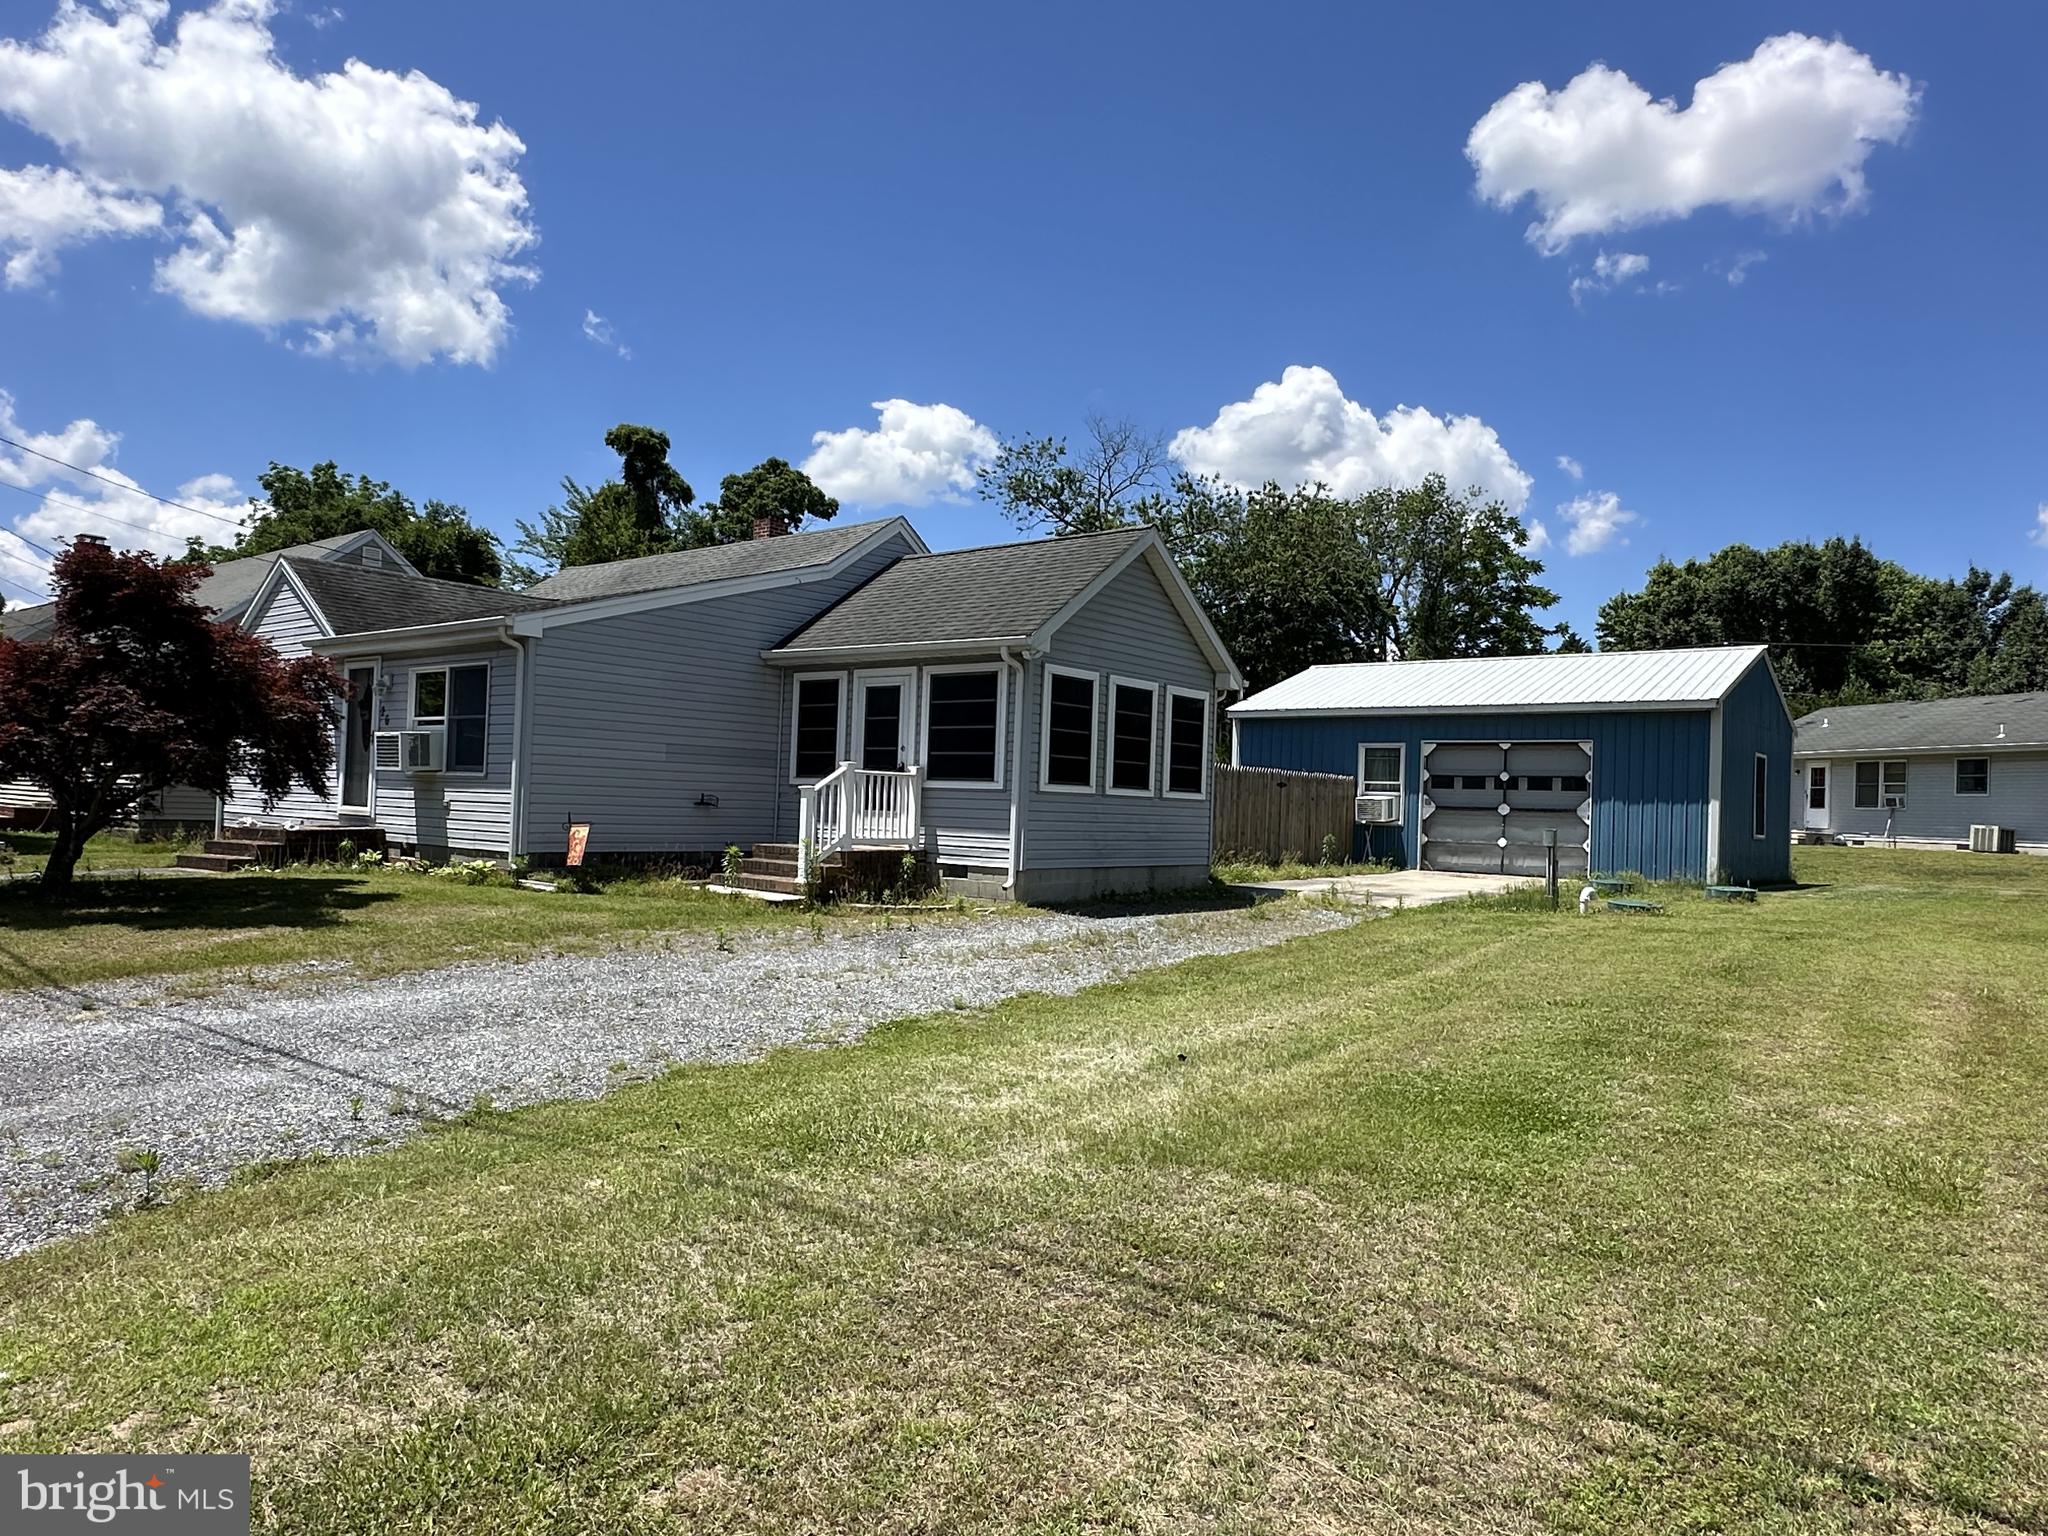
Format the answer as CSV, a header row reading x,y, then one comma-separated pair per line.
x,y
252,1074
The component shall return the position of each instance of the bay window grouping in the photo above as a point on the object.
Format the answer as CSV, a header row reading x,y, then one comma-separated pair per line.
x,y
1157,736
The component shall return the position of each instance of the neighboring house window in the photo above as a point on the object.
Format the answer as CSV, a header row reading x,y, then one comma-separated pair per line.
x,y
1878,782
1973,775
1187,744
1070,714
963,726
1134,710
814,728
458,700
1379,769
1759,787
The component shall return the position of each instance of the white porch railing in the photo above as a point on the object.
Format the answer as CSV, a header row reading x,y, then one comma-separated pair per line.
x,y
857,808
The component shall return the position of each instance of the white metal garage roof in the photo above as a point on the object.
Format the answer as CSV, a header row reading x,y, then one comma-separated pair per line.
x,y
1596,680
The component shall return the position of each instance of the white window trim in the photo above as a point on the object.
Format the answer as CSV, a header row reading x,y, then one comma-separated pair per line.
x,y
376,666
1972,794
1883,778
1400,752
924,722
1208,703
1094,681
1760,795
412,699
796,682
1152,775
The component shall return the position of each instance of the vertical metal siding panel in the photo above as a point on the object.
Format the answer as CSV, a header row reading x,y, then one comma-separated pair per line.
x,y
1649,771
1754,721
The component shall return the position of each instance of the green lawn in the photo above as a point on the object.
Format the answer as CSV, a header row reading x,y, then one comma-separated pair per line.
x,y
107,851
376,921
1467,1219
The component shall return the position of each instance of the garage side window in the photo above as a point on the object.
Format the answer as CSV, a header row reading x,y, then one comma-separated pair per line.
x,y
1379,769
1973,775
1187,744
1759,787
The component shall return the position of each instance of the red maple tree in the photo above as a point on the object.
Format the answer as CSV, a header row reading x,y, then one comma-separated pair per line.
x,y
138,687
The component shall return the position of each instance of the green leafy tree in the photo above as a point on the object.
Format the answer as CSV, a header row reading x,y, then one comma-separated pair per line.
x,y
773,489
1843,625
645,511
1116,477
321,503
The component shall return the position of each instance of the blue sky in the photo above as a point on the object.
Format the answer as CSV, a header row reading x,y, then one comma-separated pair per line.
x,y
787,214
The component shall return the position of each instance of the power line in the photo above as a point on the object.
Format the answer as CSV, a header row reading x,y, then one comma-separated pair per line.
x,y
31,543
79,506
120,485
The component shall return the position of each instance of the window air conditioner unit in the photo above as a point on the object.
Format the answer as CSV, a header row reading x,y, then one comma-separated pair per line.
x,y
1990,839
411,751
1376,810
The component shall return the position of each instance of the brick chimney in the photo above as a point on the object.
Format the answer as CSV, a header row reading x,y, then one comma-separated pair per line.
x,y
770,525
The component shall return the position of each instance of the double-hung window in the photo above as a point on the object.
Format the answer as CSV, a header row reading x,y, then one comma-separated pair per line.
x,y
963,726
1134,715
1973,775
1379,768
1880,784
458,700
1067,763
814,726
1187,744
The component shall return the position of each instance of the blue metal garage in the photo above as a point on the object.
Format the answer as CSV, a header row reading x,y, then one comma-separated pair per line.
x,y
1667,764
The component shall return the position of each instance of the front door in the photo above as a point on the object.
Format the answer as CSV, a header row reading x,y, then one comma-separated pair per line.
x,y
1816,797
881,720
356,731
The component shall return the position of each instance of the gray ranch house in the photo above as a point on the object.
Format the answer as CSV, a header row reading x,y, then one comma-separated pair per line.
x,y
1925,773
1030,720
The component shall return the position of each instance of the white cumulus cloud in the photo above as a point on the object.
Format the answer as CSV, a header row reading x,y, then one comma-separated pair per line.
x,y
369,208
1785,131
2039,533
598,330
1610,269
913,455
1301,429
1571,466
1539,537
95,497
43,209
1593,521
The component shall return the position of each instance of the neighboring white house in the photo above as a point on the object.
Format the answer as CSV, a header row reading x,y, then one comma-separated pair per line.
x,y
1035,719
1925,773
227,590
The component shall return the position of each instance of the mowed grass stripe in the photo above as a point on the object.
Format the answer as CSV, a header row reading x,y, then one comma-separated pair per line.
x,y
1466,1219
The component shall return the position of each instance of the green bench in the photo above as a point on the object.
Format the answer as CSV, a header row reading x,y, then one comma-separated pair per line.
x,y
1731,893
1629,904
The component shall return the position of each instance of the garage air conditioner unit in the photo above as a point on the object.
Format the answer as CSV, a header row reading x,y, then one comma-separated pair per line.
x,y
411,751
1988,839
1376,810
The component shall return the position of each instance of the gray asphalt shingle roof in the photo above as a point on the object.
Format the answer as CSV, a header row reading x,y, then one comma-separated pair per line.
x,y
996,592
1989,720
689,567
227,591
358,599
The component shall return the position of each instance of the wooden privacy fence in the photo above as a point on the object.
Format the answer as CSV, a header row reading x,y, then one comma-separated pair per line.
x,y
1275,814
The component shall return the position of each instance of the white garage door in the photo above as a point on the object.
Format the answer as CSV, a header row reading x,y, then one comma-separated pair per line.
x,y
1487,804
